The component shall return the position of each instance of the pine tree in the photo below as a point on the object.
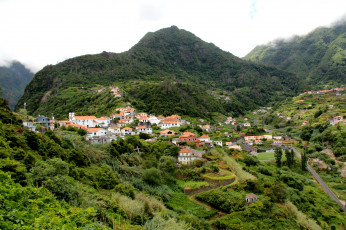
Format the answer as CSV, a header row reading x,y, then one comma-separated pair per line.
x,y
304,160
278,156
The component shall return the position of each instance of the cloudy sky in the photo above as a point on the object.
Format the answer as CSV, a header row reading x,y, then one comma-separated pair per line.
x,y
41,32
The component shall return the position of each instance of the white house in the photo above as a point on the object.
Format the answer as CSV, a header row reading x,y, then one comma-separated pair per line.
x,y
169,124
167,133
29,125
143,129
154,120
92,132
103,121
114,130
88,121
186,156
126,120
126,131
204,138
249,142
246,124
218,143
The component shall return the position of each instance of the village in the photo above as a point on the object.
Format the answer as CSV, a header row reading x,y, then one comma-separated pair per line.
x,y
102,130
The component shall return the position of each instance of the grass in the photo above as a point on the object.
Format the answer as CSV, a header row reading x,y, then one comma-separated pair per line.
x,y
181,203
222,175
192,184
269,157
237,169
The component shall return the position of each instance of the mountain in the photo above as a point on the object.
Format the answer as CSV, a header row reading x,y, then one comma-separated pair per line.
x,y
13,80
169,54
319,57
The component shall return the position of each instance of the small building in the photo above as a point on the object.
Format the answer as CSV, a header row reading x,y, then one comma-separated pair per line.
x,y
96,132
249,142
250,198
204,138
126,131
187,156
29,125
218,143
42,120
258,142
143,129
246,124
277,143
167,133
190,138
114,129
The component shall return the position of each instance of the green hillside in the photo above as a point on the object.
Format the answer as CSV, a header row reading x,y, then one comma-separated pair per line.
x,y
13,80
168,54
319,57
53,180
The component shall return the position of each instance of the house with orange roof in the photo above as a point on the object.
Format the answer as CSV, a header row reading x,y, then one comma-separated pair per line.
x,y
218,143
249,142
144,129
119,116
103,121
92,132
277,143
126,120
246,124
229,144
258,142
88,121
204,138
139,115
249,138
187,156
169,122
305,123
143,119
126,131
190,138
114,130
167,133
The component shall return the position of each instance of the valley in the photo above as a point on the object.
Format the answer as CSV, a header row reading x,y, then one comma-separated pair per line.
x,y
176,133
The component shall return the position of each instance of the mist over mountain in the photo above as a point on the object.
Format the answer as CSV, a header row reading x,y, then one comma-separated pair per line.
x,y
13,80
319,57
168,54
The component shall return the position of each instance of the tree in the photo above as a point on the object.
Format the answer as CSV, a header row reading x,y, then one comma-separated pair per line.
x,y
278,156
167,164
277,193
152,176
306,133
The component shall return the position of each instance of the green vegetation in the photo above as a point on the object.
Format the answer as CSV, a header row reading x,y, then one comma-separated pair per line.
x,y
181,203
318,57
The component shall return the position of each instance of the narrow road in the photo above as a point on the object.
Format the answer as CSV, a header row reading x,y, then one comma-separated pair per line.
x,y
321,182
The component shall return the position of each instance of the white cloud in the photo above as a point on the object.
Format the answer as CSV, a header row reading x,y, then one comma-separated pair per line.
x,y
40,32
